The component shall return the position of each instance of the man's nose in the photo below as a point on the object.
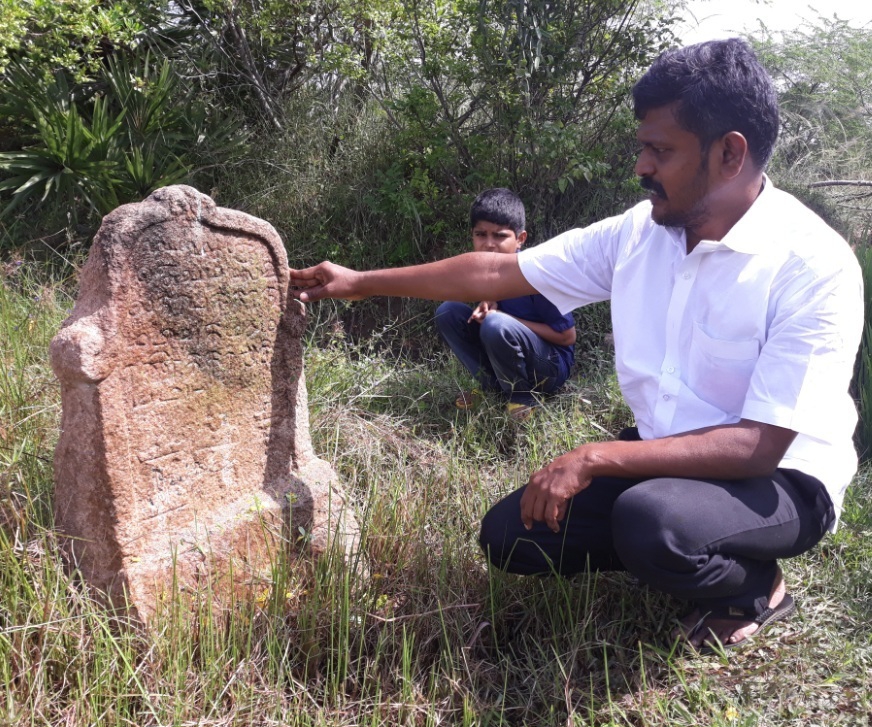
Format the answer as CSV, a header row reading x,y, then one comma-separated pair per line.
x,y
644,167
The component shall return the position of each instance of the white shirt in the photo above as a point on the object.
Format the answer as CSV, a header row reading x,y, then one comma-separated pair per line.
x,y
763,325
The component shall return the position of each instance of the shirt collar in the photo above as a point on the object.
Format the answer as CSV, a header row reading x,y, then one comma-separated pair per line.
x,y
750,233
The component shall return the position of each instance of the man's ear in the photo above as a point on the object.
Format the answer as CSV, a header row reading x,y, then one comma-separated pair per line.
x,y
522,238
732,149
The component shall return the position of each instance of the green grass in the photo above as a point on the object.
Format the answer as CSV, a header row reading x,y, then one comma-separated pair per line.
x,y
429,636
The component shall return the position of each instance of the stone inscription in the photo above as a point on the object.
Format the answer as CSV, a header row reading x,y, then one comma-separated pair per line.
x,y
203,324
181,378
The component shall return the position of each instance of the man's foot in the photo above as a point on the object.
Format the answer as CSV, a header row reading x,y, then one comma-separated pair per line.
x,y
704,631
467,399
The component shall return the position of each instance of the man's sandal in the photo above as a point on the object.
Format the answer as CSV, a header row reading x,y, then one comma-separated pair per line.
x,y
468,399
732,613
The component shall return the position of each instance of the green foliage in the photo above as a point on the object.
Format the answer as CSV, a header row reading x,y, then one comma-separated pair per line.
x,y
530,95
263,52
72,160
91,148
824,72
455,97
73,35
863,372
420,106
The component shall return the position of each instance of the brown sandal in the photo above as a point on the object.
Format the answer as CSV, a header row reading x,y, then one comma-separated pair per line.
x,y
776,613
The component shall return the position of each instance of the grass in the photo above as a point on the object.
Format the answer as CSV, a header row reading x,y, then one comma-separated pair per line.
x,y
429,636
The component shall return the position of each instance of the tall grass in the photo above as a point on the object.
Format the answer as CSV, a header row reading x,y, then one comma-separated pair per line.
x,y
428,636
863,373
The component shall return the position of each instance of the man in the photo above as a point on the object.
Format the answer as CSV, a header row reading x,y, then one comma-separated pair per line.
x,y
736,315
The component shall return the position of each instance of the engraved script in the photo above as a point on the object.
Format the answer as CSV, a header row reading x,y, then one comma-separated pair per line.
x,y
184,431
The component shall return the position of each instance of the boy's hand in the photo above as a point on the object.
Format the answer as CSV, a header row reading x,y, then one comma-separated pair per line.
x,y
481,311
325,280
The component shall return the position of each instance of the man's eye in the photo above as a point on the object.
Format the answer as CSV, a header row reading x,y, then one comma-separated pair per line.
x,y
651,148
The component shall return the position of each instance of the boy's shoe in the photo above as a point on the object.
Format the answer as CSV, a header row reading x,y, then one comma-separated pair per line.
x,y
519,412
468,399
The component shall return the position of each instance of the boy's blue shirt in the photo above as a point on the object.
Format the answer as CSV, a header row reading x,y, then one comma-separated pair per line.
x,y
538,309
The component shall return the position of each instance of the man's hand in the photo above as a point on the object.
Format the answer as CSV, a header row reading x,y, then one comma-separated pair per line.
x,y
736,451
481,311
325,280
550,489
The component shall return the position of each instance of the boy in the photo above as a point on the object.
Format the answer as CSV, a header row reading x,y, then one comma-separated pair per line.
x,y
516,346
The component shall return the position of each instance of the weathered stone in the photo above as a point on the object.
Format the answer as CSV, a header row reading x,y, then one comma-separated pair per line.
x,y
185,435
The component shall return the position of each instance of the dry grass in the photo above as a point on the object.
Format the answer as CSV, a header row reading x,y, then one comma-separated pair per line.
x,y
429,637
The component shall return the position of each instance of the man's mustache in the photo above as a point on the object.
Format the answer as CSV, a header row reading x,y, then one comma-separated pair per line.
x,y
648,184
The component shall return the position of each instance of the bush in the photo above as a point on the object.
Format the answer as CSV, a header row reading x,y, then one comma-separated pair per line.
x,y
91,147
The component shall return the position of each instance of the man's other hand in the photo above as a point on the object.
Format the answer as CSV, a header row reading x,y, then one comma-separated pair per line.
x,y
547,495
325,280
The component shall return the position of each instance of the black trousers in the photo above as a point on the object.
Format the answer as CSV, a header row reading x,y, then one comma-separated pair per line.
x,y
715,542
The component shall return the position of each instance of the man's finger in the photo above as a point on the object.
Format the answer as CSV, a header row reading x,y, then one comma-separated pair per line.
x,y
306,276
554,515
310,295
526,517
537,509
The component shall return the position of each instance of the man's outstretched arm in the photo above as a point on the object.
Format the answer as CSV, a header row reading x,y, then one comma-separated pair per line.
x,y
471,276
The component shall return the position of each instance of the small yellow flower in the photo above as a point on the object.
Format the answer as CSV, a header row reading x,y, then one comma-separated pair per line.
x,y
731,713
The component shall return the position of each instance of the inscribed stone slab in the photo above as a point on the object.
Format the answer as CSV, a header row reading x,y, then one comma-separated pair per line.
x,y
185,432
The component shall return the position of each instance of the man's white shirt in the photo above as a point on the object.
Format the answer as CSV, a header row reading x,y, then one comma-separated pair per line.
x,y
762,325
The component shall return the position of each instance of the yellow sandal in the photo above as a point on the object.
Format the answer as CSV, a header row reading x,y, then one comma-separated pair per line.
x,y
468,399
519,412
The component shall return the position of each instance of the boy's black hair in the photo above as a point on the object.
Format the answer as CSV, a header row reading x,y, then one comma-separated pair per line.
x,y
721,87
500,206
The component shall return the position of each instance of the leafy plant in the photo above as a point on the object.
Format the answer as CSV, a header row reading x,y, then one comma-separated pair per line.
x,y
863,372
529,95
824,72
91,148
73,36
74,159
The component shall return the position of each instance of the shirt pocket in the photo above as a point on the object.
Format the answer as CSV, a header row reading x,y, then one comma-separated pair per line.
x,y
719,371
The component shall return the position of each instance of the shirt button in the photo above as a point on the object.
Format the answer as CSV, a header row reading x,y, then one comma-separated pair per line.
x,y
670,370
687,276
666,397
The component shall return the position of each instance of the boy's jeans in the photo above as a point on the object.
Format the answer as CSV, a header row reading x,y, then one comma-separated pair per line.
x,y
500,352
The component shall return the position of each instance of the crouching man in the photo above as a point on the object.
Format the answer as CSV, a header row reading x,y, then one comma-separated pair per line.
x,y
736,314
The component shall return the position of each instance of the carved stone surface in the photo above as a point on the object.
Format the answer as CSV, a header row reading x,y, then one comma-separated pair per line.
x,y
185,435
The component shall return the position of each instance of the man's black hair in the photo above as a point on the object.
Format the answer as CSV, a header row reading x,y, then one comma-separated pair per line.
x,y
720,86
500,206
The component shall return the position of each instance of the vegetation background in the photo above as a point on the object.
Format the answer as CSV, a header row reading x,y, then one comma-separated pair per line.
x,y
362,130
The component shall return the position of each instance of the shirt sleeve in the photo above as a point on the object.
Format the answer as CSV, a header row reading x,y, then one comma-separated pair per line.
x,y
576,268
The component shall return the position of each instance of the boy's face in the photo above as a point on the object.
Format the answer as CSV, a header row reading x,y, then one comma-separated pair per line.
x,y
491,237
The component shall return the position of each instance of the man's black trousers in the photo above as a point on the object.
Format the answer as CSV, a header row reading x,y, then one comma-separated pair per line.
x,y
714,542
